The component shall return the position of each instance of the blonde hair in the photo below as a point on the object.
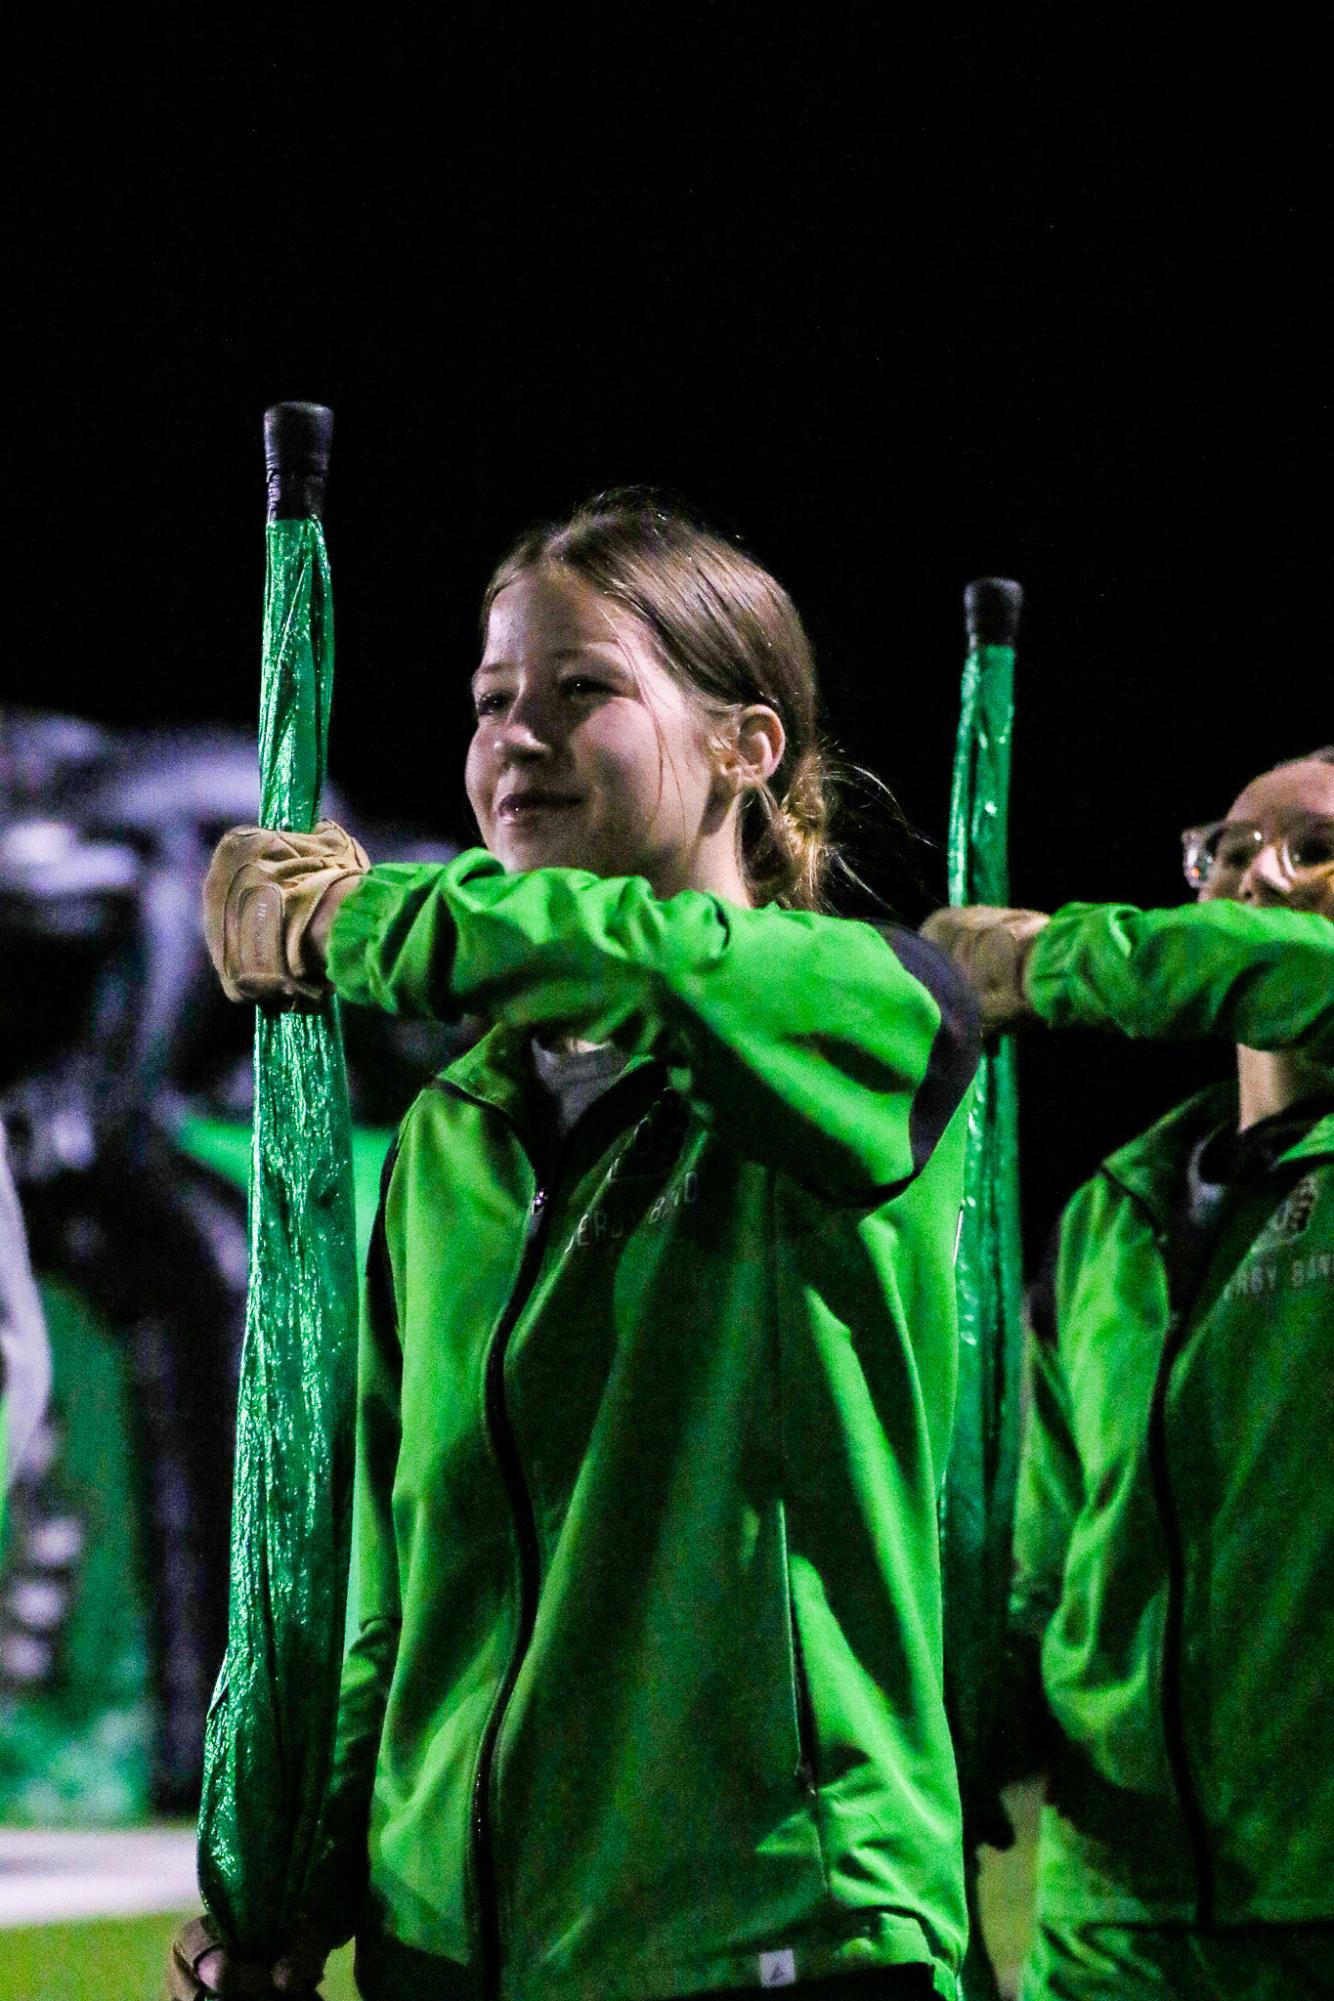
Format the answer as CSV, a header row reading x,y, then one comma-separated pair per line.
x,y
730,635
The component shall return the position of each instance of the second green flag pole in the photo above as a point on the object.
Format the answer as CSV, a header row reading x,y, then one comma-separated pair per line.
x,y
978,1507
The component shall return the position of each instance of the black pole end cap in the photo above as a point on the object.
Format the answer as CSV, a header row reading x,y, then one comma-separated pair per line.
x,y
297,438
991,608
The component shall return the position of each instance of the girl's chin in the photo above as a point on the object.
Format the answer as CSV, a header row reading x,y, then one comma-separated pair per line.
x,y
544,847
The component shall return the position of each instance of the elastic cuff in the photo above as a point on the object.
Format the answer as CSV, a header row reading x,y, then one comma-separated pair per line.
x,y
356,929
1051,974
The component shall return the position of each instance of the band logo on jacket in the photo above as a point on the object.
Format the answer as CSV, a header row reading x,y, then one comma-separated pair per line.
x,y
652,1151
1265,1269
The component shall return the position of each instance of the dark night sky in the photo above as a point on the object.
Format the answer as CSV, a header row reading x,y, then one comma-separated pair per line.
x,y
1038,297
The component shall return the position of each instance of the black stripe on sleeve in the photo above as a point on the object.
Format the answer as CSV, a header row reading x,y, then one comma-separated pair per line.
x,y
957,1045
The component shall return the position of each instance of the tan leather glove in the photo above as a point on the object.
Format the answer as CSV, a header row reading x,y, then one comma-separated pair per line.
x,y
198,1966
990,947
260,894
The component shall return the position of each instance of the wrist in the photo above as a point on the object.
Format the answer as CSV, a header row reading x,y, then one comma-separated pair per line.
x,y
316,941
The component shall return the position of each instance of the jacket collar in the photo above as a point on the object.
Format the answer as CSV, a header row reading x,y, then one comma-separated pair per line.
x,y
497,1072
1153,1166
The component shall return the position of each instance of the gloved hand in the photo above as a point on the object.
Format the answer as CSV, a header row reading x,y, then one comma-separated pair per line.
x,y
260,894
198,1965
990,947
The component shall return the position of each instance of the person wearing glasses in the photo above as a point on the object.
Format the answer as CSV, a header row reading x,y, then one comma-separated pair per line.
x,y
1173,1605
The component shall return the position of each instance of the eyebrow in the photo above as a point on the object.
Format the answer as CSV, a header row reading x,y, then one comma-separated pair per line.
x,y
553,653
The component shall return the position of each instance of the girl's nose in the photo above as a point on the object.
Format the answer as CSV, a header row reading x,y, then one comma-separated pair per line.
x,y
528,723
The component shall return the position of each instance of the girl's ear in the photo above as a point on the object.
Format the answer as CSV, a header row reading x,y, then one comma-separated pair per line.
x,y
760,741
746,752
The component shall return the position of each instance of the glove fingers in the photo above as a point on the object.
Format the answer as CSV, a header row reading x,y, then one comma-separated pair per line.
x,y
301,902
264,926
990,946
200,1966
253,965
995,960
195,1945
343,850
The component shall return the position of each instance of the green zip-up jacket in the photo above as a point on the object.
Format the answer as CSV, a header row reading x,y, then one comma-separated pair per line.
x,y
646,1696
1175,1537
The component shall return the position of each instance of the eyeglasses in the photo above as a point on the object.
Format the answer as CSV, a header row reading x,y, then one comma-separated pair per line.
x,y
1222,852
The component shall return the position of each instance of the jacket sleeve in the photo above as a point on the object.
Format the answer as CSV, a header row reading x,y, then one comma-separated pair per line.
x,y
830,1048
340,1873
1264,978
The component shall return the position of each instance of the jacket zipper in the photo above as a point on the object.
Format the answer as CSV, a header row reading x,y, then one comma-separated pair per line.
x,y
525,1531
1174,1733
806,1771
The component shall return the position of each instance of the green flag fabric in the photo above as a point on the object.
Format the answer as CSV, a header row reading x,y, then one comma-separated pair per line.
x,y
270,1729
978,1506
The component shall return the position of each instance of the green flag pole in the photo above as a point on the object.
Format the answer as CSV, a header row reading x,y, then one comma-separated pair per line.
x,y
978,1507
269,1739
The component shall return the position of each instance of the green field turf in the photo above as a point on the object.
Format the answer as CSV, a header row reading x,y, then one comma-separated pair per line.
x,y
1006,1888
122,1959
113,1960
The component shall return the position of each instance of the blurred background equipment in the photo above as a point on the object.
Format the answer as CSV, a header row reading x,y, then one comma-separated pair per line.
x,y
125,1091
25,1352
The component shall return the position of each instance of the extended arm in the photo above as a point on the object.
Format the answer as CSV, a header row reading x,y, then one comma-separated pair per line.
x,y
1262,977
824,1046
1258,976
833,1049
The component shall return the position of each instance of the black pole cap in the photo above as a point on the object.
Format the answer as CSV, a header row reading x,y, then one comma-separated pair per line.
x,y
991,608
297,437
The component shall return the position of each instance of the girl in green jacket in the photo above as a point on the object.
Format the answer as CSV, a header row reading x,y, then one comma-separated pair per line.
x,y
657,1359
1174,1591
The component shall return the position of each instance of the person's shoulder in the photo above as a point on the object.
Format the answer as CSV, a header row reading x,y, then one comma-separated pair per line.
x,y
936,971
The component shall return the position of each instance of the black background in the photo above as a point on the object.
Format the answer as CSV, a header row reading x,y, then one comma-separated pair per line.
x,y
1040,293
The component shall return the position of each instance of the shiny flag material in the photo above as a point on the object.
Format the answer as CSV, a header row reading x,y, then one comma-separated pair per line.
x,y
978,1507
269,1738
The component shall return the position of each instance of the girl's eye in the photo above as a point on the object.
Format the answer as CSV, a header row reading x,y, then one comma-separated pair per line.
x,y
489,704
583,684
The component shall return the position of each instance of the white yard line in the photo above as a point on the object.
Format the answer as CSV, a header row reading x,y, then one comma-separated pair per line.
x,y
53,1878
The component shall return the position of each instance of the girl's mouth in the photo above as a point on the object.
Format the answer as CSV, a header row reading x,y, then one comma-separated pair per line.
x,y
524,806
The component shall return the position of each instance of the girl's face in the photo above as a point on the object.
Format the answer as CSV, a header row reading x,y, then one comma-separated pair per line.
x,y
587,754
